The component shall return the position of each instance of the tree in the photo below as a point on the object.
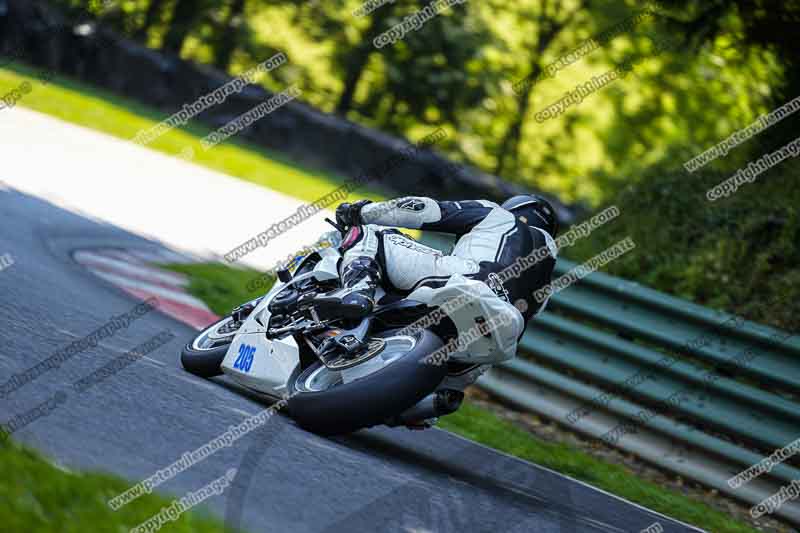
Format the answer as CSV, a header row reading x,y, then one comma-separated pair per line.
x,y
152,15
230,35
763,23
433,75
184,14
550,21
356,59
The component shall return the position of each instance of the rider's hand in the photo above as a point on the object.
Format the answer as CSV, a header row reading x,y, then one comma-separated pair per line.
x,y
348,215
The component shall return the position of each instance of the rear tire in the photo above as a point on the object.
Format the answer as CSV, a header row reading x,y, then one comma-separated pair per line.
x,y
369,400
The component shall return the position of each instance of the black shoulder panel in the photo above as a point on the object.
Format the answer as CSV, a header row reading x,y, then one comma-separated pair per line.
x,y
459,218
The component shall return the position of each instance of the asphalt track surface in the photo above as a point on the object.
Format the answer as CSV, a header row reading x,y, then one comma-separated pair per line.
x,y
145,417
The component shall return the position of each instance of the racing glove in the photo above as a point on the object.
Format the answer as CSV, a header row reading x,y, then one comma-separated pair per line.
x,y
348,215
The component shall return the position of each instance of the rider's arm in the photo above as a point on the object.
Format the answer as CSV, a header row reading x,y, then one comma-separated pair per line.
x,y
417,212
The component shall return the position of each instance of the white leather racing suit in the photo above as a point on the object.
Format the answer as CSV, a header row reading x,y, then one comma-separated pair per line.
x,y
489,239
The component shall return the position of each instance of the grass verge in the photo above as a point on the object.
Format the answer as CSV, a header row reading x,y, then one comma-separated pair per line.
x,y
108,113
37,497
222,288
480,425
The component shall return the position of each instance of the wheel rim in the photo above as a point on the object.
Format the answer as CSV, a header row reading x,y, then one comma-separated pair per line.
x,y
216,335
322,378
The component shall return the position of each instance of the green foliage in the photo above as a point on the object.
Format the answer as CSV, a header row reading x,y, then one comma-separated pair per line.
x,y
37,497
737,254
457,71
430,75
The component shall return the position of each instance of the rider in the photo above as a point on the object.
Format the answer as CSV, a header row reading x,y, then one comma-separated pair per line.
x,y
490,238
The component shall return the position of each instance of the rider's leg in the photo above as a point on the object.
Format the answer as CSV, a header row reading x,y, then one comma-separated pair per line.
x,y
359,268
409,265
371,256
360,273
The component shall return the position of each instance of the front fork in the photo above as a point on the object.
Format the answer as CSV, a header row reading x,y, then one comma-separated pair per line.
x,y
241,313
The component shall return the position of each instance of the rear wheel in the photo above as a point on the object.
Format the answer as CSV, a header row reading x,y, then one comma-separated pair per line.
x,y
386,383
204,355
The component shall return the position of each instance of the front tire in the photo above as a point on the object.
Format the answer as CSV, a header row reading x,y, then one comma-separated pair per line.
x,y
322,402
204,355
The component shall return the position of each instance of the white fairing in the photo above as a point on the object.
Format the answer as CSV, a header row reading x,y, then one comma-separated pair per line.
x,y
506,320
263,364
273,362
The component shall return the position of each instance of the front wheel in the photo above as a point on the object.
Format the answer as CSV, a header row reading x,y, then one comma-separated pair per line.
x,y
204,355
396,377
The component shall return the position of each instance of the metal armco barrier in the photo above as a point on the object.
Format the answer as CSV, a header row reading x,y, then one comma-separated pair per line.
x,y
603,331
739,382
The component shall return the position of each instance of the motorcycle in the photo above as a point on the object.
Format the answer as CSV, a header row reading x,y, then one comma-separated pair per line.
x,y
339,376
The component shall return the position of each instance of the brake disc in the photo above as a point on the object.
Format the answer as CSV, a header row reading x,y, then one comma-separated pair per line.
x,y
373,348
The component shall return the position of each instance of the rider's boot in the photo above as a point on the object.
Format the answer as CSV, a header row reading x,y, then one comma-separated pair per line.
x,y
355,300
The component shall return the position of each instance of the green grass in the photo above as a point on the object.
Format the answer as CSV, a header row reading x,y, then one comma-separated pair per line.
x,y
105,112
222,288
37,497
482,426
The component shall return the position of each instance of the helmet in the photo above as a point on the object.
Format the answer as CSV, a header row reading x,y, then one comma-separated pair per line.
x,y
534,211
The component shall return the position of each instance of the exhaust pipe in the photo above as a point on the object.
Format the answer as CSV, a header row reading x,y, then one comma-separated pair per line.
x,y
440,403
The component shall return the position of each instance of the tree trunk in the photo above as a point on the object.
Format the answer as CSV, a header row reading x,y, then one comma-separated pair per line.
x,y
154,9
509,146
183,15
358,57
230,35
